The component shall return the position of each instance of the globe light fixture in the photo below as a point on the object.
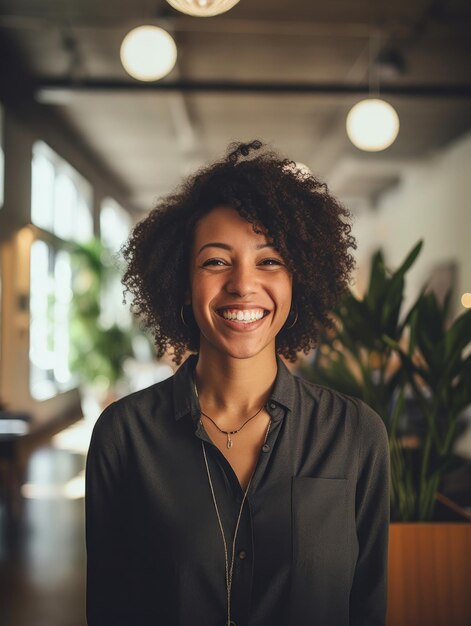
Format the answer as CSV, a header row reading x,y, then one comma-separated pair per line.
x,y
148,53
372,125
203,8
466,300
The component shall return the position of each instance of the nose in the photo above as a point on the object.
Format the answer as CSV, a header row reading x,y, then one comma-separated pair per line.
x,y
241,280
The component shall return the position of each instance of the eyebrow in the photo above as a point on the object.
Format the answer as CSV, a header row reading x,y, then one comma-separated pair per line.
x,y
226,246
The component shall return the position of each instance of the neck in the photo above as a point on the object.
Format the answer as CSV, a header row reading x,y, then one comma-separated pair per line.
x,y
234,387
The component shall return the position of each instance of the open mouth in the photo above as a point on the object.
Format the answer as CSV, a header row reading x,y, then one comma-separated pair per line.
x,y
247,319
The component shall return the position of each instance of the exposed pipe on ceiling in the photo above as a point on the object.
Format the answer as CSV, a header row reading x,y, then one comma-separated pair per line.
x,y
48,86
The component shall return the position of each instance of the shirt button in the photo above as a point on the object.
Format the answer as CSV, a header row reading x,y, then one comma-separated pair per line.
x,y
242,554
266,447
272,405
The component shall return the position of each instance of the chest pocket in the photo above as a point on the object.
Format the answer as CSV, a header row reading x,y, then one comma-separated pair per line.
x,y
322,555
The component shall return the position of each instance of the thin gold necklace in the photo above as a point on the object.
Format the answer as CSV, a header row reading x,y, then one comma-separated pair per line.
x,y
226,432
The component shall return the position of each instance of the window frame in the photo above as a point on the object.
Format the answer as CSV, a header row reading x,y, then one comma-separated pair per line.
x,y
56,245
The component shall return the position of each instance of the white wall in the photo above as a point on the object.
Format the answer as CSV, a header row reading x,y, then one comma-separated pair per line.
x,y
432,202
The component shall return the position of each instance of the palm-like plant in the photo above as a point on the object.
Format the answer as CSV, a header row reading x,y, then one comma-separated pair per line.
x,y
439,374
376,356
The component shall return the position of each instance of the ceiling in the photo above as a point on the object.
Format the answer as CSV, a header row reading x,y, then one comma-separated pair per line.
x,y
284,72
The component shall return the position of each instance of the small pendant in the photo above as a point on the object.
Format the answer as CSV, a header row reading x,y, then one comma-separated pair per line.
x,y
229,441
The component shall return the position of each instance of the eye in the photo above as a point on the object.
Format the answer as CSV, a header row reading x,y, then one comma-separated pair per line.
x,y
219,262
212,262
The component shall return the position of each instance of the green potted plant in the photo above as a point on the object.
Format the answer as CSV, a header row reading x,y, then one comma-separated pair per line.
x,y
393,363
439,375
98,352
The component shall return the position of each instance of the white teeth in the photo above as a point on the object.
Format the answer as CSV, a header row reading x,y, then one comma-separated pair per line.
x,y
242,316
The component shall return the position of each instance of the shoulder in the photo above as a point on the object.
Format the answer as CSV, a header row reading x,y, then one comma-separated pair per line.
x,y
362,420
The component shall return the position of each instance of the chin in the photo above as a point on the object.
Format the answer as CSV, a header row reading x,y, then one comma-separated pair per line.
x,y
237,350
242,354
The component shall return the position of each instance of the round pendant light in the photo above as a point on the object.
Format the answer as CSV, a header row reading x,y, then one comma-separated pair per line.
x,y
148,53
466,300
372,125
203,8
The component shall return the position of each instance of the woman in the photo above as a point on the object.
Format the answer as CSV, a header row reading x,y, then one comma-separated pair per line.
x,y
235,492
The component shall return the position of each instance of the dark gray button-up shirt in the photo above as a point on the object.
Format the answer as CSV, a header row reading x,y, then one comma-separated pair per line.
x,y
311,547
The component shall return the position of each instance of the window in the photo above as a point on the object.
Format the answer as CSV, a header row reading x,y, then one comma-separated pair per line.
x,y
61,209
61,198
115,224
50,297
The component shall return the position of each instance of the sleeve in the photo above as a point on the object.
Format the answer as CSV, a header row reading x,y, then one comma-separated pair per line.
x,y
368,596
105,525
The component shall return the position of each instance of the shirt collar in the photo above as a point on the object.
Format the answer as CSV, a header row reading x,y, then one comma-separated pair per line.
x,y
185,400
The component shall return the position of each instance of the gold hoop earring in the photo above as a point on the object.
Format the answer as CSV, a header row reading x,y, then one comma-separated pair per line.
x,y
183,319
295,320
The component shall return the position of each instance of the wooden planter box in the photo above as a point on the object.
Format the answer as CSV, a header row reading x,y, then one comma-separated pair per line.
x,y
429,574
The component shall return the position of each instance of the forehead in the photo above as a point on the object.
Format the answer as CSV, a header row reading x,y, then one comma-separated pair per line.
x,y
225,222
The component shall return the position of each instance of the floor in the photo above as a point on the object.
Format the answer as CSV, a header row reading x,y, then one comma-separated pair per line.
x,y
42,556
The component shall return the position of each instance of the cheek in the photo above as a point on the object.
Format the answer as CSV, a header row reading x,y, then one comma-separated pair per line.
x,y
285,292
202,291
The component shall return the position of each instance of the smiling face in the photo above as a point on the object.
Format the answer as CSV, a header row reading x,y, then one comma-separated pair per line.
x,y
240,287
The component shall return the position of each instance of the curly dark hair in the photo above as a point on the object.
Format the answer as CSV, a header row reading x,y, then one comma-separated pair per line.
x,y
305,223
